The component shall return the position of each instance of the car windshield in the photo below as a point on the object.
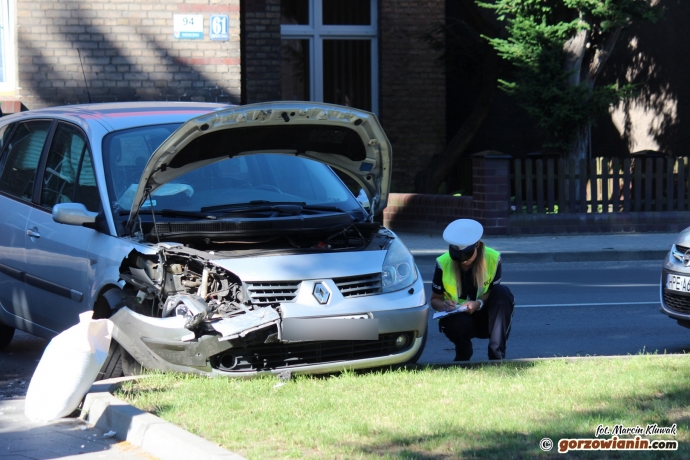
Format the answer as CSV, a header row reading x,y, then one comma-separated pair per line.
x,y
251,179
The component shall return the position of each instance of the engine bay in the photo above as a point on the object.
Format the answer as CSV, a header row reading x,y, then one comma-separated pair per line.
x,y
182,280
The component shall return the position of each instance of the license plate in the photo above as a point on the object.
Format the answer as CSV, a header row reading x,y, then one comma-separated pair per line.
x,y
678,283
343,328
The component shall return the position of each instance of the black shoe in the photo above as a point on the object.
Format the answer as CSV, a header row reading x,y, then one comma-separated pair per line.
x,y
459,357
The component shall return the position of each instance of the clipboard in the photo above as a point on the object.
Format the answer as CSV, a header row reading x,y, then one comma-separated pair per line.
x,y
443,314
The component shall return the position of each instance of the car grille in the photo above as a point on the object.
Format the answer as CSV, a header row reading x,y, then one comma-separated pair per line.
x,y
268,292
293,355
679,252
677,302
357,286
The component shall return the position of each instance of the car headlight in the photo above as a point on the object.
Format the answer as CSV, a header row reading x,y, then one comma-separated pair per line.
x,y
398,271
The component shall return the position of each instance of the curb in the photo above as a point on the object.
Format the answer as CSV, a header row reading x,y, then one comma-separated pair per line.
x,y
142,429
428,257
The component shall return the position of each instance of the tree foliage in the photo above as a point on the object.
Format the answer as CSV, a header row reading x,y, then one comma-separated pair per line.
x,y
558,48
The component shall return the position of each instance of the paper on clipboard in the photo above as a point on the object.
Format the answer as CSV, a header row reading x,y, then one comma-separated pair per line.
x,y
443,314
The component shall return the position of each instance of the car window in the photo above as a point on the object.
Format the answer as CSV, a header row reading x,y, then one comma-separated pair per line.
x,y
21,159
262,177
5,132
240,179
125,154
69,176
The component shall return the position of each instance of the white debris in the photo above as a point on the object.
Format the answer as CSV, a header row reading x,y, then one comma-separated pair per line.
x,y
68,368
109,434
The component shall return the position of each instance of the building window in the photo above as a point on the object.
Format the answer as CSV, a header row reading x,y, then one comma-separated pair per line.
x,y
7,47
329,52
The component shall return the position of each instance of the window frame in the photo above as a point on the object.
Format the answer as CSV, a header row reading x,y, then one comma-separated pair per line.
x,y
8,30
86,150
38,173
316,32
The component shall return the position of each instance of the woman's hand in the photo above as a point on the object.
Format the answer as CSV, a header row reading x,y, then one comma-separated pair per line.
x,y
449,305
440,304
472,306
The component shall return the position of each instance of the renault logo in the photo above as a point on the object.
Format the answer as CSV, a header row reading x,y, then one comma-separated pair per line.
x,y
686,258
321,293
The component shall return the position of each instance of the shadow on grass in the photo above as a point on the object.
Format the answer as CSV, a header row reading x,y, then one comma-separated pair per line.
x,y
663,408
470,366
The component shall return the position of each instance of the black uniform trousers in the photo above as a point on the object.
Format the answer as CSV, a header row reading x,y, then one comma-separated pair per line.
x,y
492,322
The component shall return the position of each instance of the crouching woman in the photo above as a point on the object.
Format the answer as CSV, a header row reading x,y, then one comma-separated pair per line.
x,y
468,278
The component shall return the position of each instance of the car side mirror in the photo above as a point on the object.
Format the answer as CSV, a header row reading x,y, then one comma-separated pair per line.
x,y
73,214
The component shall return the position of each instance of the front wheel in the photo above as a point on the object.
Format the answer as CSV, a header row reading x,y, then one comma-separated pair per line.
x,y
6,334
119,363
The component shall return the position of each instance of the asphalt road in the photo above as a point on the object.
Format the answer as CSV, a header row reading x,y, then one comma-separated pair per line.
x,y
562,309
577,309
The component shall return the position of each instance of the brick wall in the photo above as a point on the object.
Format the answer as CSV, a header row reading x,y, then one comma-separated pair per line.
x,y
418,212
412,86
488,204
128,52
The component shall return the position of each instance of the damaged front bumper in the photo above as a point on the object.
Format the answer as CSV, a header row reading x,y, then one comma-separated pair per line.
x,y
256,348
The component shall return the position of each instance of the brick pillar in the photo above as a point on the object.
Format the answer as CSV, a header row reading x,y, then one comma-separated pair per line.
x,y
412,86
261,59
491,191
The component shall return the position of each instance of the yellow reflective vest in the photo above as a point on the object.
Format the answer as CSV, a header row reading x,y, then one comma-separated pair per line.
x,y
449,285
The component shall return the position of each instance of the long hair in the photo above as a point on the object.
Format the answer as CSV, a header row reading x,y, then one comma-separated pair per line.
x,y
478,269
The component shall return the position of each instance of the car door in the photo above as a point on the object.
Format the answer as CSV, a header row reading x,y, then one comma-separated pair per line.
x,y
58,265
22,145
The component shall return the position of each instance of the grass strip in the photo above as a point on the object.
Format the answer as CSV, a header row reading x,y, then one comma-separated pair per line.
x,y
490,411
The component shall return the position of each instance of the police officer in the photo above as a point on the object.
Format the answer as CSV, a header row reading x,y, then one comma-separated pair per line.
x,y
469,275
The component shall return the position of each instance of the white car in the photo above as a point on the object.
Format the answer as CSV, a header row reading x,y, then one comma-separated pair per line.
x,y
218,239
675,280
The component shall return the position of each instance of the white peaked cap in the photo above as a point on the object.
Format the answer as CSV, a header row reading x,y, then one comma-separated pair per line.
x,y
463,232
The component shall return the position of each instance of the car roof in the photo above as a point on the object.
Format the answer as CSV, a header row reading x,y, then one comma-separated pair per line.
x,y
123,115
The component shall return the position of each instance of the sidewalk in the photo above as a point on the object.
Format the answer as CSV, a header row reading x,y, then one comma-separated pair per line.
x,y
22,439
553,248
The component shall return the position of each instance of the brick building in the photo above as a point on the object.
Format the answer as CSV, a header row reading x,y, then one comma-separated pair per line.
x,y
363,53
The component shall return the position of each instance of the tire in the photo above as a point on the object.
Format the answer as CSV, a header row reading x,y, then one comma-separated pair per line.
x,y
418,355
112,367
6,334
130,366
119,363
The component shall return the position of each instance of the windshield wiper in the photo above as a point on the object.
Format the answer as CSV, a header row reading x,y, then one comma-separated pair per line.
x,y
322,207
254,205
287,207
174,213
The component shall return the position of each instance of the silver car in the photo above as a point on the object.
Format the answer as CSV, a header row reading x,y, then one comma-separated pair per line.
x,y
218,239
675,280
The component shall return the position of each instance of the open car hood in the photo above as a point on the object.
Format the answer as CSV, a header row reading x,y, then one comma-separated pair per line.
x,y
344,138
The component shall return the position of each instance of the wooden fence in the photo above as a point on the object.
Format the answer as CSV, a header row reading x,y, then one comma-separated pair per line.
x,y
600,185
